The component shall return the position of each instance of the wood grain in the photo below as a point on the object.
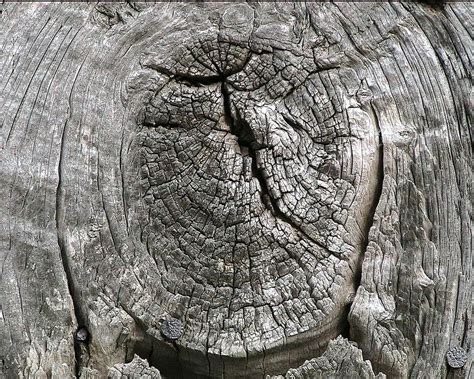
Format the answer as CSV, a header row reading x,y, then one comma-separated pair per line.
x,y
292,182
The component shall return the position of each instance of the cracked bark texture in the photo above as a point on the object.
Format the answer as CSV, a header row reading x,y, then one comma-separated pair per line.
x,y
288,186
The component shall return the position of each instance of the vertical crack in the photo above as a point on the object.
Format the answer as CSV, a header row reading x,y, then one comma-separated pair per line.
x,y
373,207
60,228
377,190
248,147
80,337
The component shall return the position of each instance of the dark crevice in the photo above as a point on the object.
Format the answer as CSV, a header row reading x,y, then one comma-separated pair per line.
x,y
239,127
346,327
194,80
81,336
436,4
466,328
249,146
377,195
80,346
160,355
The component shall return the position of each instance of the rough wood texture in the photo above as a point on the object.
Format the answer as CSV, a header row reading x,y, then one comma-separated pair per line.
x,y
340,360
226,189
137,369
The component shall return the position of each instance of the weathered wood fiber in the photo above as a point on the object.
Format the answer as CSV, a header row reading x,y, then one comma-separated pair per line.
x,y
227,190
137,369
340,360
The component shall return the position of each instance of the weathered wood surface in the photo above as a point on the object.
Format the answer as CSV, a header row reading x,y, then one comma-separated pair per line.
x,y
138,368
225,189
340,360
